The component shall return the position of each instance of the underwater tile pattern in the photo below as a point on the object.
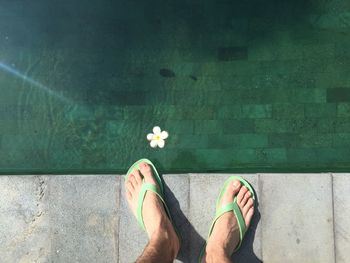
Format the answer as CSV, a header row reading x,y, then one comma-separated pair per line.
x,y
240,86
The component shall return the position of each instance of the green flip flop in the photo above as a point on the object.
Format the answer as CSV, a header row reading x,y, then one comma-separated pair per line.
x,y
150,187
231,207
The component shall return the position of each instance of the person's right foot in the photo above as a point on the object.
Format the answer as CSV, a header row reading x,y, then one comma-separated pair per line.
x,y
225,235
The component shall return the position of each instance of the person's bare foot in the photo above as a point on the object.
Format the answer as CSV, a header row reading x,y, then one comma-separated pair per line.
x,y
225,235
155,218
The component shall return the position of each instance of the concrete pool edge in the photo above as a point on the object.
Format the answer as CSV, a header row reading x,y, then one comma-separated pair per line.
x,y
85,217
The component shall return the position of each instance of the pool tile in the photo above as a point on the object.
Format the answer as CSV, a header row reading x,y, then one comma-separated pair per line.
x,y
84,217
187,141
288,219
232,53
338,94
179,126
256,111
229,111
270,156
311,95
343,110
320,110
122,98
208,127
313,139
341,139
319,50
342,124
287,110
247,140
277,94
341,190
326,125
219,158
198,113
333,155
283,140
238,126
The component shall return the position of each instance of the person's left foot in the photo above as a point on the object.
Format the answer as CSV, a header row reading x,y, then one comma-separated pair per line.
x,y
154,216
225,236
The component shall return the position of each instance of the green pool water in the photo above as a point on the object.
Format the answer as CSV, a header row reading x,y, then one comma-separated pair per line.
x,y
241,86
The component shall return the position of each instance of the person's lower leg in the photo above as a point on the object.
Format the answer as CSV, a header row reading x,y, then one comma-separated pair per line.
x,y
160,248
217,255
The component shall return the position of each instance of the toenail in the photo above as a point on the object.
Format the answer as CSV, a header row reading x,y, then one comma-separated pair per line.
x,y
235,184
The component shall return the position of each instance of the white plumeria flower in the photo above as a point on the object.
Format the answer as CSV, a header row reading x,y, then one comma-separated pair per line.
x,y
157,137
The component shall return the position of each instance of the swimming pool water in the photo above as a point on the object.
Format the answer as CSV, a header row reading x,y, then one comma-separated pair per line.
x,y
245,86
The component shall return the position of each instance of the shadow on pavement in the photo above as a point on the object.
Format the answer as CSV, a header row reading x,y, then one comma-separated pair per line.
x,y
192,240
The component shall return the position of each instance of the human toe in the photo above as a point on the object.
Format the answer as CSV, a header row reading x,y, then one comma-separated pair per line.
x,y
137,176
232,190
240,195
146,171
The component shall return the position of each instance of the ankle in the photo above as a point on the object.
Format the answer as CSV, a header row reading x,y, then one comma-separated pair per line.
x,y
167,238
216,254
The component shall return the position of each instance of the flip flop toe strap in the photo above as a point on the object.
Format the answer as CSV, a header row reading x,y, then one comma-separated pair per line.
x,y
144,188
232,207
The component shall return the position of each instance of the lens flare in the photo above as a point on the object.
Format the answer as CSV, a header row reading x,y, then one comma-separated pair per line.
x,y
18,74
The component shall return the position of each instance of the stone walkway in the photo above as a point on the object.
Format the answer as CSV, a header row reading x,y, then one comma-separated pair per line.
x,y
84,218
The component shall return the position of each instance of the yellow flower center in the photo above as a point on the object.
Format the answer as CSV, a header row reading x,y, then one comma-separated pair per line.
x,y
156,137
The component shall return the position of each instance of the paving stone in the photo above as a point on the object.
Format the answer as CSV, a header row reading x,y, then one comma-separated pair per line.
x,y
297,221
132,239
84,218
341,198
24,227
204,190
177,192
